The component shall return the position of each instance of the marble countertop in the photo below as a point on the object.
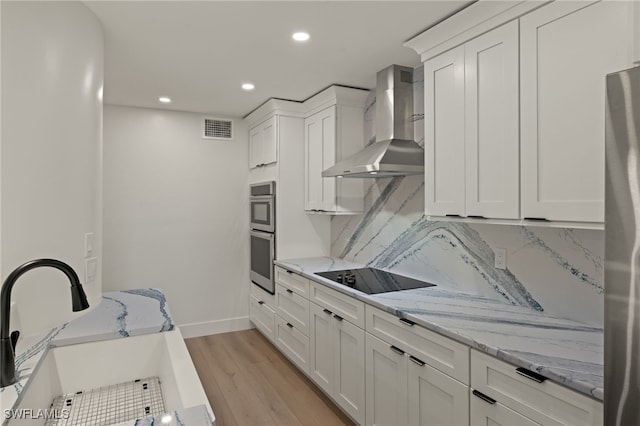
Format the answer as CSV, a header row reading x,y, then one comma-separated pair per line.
x,y
565,351
120,314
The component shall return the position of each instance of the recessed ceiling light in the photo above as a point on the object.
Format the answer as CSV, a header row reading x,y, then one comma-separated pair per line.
x,y
248,86
300,36
164,99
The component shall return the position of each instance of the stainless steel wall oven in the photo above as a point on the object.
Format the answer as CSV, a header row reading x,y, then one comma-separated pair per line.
x,y
262,203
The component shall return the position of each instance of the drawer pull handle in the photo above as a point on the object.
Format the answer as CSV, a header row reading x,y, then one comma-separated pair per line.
x,y
407,322
260,302
396,350
289,291
417,361
289,325
538,378
326,311
537,219
338,317
484,397
288,271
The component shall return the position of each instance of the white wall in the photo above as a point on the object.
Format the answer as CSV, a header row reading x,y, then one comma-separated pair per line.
x,y
52,77
176,215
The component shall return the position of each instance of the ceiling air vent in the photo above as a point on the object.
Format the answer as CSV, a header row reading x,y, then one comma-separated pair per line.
x,y
217,128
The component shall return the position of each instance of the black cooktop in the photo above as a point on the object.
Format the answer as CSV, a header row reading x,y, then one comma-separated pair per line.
x,y
373,281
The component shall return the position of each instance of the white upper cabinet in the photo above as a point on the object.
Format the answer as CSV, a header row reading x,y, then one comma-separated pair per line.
x,y
263,143
492,136
334,130
444,134
471,128
567,49
320,144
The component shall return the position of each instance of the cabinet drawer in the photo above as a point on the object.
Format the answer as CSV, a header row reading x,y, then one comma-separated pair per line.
x,y
444,354
546,403
484,413
262,316
347,307
292,343
263,295
293,308
292,281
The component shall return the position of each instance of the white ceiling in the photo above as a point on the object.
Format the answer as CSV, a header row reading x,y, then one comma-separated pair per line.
x,y
200,52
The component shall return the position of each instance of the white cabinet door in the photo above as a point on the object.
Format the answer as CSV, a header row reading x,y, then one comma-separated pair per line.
x,y
348,348
435,399
270,141
320,145
444,134
263,143
262,316
321,360
386,384
496,414
255,147
292,343
293,308
492,133
567,49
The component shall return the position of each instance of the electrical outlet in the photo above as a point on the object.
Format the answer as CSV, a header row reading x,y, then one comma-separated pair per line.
x,y
500,258
88,244
90,270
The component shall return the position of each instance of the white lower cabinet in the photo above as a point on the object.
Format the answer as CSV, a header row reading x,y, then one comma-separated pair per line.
x,y
262,316
293,343
403,389
293,308
435,399
386,380
336,361
485,413
528,394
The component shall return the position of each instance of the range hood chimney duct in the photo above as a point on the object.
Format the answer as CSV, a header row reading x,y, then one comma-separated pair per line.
x,y
395,152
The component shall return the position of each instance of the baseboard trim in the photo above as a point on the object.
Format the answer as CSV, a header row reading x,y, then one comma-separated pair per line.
x,y
207,328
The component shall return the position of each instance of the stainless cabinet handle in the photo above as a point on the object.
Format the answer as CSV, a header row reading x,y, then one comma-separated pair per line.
x,y
326,311
289,325
338,317
289,291
532,375
260,302
484,397
407,322
396,350
416,361
289,272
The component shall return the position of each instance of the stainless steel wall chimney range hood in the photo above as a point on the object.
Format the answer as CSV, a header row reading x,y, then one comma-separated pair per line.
x,y
394,153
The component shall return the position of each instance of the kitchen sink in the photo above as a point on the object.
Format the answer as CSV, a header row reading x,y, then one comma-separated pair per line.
x,y
86,366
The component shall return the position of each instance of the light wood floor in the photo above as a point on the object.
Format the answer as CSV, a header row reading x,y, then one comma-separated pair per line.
x,y
249,382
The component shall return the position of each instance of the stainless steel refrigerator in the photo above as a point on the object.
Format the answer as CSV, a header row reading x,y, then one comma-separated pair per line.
x,y
622,250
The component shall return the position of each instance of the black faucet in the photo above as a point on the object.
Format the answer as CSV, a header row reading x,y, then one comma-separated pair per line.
x,y
7,341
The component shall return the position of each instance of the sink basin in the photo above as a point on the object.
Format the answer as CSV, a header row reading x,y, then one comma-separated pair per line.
x,y
86,366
